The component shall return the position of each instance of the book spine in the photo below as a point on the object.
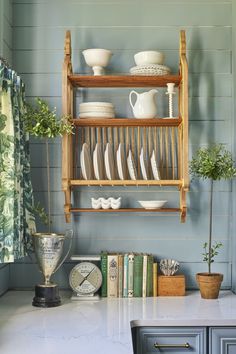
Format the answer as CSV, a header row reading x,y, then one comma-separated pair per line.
x,y
112,278
144,288
131,275
120,276
138,275
154,279
125,276
150,275
104,274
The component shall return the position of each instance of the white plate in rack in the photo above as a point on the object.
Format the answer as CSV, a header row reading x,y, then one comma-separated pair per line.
x,y
131,166
109,162
98,162
121,162
155,170
143,165
86,163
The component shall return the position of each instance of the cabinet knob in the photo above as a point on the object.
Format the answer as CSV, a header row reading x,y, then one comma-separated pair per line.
x,y
185,346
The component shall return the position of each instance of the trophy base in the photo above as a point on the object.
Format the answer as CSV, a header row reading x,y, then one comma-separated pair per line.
x,y
46,296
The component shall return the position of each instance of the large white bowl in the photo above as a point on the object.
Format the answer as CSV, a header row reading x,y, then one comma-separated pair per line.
x,y
149,57
152,204
97,59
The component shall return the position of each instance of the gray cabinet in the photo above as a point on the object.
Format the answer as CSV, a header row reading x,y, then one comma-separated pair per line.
x,y
222,340
178,340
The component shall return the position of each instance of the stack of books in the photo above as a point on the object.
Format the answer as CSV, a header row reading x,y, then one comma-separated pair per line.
x,y
128,275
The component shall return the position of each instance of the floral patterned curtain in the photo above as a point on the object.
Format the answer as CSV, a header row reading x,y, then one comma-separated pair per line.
x,y
16,197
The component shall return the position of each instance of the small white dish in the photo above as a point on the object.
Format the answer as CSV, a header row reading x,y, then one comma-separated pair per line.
x,y
86,163
115,203
143,165
131,166
90,109
109,162
149,57
98,162
152,204
105,203
96,203
121,162
155,170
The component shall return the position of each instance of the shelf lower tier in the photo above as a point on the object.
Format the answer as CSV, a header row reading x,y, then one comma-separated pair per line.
x,y
125,210
127,122
81,182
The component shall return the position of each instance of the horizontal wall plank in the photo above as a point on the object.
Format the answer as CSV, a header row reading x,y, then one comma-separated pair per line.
x,y
113,14
204,85
27,275
51,61
162,38
55,2
200,108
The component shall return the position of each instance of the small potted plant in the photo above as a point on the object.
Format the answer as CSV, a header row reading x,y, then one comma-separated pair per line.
x,y
213,163
42,122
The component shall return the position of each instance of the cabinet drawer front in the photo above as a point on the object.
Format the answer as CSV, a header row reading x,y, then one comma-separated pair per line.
x,y
178,340
222,340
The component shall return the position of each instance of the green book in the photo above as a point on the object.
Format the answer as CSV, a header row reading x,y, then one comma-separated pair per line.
x,y
150,275
104,274
138,275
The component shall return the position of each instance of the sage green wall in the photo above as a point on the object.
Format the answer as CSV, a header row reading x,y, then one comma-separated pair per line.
x,y
6,52
126,27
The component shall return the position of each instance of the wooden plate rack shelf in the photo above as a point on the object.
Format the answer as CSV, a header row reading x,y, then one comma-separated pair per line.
x,y
168,137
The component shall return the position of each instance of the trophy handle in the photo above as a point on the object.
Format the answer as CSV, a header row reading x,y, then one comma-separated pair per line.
x,y
69,234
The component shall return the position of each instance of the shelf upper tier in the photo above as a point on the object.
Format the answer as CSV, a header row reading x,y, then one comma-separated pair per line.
x,y
127,122
122,80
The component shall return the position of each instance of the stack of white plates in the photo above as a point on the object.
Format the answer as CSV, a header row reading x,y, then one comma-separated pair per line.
x,y
150,69
96,110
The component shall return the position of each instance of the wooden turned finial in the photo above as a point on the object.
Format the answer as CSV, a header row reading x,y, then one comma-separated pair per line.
x,y
182,42
67,47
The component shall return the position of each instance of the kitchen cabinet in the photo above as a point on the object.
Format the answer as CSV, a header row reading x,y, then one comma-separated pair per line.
x,y
178,340
168,136
222,340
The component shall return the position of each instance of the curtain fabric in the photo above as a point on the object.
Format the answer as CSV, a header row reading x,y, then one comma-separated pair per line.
x,y
17,221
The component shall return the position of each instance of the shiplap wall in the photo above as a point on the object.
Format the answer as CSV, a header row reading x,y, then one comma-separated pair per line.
x,y
127,27
6,52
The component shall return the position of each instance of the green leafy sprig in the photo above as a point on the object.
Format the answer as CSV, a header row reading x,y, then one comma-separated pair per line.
x,y
209,255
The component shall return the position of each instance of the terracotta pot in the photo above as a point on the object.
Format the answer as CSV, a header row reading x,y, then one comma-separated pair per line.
x,y
209,284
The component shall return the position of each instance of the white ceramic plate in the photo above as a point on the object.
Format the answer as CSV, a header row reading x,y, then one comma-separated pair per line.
x,y
152,204
86,163
98,162
143,165
155,170
90,109
121,162
109,162
97,115
131,166
104,104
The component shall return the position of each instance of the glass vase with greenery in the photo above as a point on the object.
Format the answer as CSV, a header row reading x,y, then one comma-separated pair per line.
x,y
42,122
214,163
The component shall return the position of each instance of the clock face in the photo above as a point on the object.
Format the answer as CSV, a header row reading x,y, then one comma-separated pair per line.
x,y
85,278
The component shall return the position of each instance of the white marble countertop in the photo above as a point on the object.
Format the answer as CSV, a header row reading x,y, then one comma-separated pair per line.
x,y
102,327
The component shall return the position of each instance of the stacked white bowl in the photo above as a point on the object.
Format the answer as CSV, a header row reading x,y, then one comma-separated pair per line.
x,y
96,110
149,62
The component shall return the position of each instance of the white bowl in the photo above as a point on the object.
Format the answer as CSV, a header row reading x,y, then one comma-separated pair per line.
x,y
149,57
152,204
97,59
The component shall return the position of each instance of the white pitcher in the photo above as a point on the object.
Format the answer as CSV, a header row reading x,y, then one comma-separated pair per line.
x,y
145,105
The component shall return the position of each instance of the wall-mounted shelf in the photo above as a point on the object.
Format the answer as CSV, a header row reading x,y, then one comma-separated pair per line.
x,y
167,135
125,210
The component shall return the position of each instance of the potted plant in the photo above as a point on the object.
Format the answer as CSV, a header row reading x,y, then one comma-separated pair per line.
x,y
213,163
42,122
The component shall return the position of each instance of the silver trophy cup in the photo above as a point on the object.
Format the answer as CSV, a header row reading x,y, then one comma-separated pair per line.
x,y
49,250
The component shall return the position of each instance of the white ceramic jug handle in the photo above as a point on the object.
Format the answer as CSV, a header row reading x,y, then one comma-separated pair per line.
x,y
130,98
